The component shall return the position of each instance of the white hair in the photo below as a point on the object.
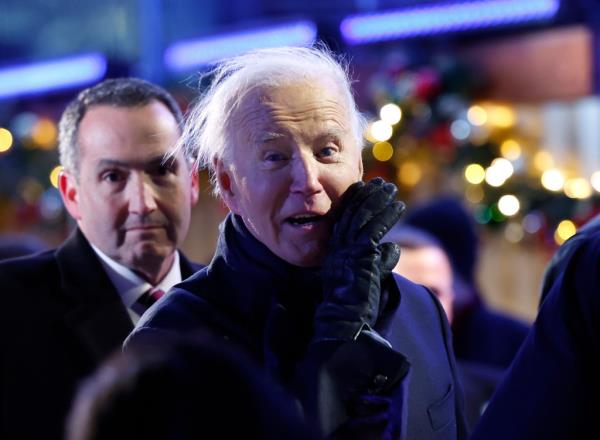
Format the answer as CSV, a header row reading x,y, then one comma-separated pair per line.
x,y
206,134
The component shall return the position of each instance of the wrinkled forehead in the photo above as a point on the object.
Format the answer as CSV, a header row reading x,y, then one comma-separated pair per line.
x,y
263,109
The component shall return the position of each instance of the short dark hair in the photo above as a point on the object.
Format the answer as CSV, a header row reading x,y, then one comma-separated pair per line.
x,y
117,92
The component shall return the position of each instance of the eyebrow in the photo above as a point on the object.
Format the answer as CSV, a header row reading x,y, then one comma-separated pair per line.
x,y
153,161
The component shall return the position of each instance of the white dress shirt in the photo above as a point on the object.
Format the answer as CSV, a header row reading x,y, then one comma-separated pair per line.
x,y
130,285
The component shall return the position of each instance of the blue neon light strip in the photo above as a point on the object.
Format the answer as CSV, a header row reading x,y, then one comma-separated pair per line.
x,y
186,55
413,22
47,76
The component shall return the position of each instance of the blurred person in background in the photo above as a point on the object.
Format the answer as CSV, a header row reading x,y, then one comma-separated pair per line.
x,y
551,389
300,279
19,245
186,389
424,261
481,335
65,310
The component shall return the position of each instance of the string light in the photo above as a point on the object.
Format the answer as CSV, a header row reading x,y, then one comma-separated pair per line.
x,y
543,160
410,173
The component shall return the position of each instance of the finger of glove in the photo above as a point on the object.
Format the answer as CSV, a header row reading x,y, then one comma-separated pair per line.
x,y
379,225
390,254
351,202
371,207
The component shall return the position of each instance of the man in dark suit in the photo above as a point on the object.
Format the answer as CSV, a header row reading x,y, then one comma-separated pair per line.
x,y
64,311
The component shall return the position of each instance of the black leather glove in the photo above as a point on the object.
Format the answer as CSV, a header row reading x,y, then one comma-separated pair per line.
x,y
357,264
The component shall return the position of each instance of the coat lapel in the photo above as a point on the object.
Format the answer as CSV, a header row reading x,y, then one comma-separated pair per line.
x,y
97,316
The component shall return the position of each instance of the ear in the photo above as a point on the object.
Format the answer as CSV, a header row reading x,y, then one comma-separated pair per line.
x,y
195,190
69,192
226,185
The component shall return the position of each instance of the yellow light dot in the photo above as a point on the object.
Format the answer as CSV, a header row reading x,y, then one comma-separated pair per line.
x,y
553,180
578,188
509,205
477,115
510,149
6,140
595,180
474,194
383,151
501,116
44,133
410,173
54,175
565,230
474,173
367,134
390,114
543,160
381,131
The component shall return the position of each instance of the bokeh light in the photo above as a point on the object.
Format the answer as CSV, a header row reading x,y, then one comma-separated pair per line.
x,y
474,173
565,230
6,140
390,114
553,180
460,129
510,149
44,133
543,160
410,173
509,205
381,131
477,115
513,232
595,180
383,151
577,188
501,116
54,175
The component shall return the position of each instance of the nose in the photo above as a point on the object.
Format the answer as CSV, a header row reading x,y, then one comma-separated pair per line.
x,y
306,176
141,195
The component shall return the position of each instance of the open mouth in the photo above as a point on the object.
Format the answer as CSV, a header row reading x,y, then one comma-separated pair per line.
x,y
305,219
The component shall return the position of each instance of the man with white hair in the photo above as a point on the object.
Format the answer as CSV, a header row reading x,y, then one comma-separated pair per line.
x,y
299,279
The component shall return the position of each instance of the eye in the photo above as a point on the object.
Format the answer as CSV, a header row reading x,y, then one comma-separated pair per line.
x,y
113,176
161,170
327,151
274,157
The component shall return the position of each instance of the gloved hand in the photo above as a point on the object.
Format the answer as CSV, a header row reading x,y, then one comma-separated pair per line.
x,y
357,264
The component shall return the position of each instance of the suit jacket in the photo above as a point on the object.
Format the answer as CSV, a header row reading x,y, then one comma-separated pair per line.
x,y
266,306
551,389
60,316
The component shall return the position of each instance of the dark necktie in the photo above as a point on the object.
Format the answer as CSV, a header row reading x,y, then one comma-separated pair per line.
x,y
149,297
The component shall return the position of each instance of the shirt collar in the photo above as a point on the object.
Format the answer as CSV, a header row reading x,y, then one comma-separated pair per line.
x,y
130,285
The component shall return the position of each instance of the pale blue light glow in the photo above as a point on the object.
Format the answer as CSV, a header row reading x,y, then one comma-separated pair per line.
x,y
186,55
51,75
413,22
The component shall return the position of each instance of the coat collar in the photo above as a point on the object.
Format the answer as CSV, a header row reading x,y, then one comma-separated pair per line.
x,y
98,316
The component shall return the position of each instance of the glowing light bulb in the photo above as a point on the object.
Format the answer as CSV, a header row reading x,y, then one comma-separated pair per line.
x,y
477,115
565,230
510,149
577,188
54,175
383,151
6,140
